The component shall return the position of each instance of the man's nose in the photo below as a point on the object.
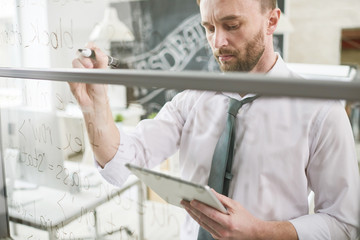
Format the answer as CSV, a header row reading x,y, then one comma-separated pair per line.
x,y
220,38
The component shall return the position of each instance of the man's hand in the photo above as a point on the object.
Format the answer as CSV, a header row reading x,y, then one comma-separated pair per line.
x,y
238,223
94,102
90,95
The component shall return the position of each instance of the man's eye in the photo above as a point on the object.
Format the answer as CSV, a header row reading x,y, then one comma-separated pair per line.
x,y
233,27
210,29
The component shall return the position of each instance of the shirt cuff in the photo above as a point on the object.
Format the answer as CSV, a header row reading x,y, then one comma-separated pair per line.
x,y
115,171
311,227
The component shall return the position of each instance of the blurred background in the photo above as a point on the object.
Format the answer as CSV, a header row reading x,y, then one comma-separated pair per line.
x,y
45,149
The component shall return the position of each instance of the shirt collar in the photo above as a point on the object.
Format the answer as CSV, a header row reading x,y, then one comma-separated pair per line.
x,y
279,69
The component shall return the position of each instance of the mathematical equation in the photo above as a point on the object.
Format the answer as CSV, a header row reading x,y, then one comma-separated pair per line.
x,y
42,132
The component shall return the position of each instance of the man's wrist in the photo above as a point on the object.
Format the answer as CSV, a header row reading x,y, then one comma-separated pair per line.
x,y
97,113
272,230
260,230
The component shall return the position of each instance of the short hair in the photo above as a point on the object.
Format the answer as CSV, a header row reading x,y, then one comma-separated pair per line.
x,y
264,4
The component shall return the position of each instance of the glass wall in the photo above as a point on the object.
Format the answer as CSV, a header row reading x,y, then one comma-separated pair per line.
x,y
54,189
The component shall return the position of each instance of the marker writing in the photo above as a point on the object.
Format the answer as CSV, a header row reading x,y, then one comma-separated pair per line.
x,y
112,62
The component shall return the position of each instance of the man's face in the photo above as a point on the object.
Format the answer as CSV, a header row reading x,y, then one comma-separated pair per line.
x,y
235,32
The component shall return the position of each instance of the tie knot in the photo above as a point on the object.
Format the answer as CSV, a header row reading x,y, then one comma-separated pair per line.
x,y
235,105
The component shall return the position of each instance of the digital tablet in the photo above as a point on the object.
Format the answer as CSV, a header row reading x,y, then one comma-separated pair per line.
x,y
173,189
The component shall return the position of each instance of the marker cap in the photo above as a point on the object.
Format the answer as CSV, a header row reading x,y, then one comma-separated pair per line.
x,y
86,52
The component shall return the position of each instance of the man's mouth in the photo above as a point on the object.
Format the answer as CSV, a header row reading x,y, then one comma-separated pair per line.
x,y
225,58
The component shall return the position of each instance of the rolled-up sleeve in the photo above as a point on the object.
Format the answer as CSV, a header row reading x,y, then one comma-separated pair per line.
x,y
115,171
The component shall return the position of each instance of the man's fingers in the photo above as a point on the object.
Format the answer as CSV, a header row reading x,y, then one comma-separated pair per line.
x,y
218,221
101,59
82,62
76,63
200,218
227,202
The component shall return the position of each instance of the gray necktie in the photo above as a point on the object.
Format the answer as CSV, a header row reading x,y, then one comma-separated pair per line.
x,y
220,172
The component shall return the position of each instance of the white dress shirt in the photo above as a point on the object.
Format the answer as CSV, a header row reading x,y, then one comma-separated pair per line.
x,y
284,148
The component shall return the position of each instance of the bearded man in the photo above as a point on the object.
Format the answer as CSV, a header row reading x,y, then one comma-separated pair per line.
x,y
283,147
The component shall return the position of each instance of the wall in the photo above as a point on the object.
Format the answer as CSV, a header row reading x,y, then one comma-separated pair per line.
x,y
317,29
350,57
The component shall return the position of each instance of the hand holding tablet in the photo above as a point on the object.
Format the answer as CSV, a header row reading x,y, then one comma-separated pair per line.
x,y
173,189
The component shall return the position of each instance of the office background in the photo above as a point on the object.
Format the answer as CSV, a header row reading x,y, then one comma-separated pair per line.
x,y
53,190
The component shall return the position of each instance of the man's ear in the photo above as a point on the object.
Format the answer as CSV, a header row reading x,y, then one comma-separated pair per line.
x,y
273,21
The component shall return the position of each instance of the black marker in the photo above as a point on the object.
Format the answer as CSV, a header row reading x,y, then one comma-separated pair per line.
x,y
112,62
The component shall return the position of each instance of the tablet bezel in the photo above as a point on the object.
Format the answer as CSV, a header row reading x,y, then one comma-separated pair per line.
x,y
171,195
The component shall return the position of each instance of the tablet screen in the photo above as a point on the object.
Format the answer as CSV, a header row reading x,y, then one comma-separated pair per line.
x,y
173,189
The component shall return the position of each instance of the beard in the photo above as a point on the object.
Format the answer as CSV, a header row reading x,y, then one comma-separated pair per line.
x,y
245,60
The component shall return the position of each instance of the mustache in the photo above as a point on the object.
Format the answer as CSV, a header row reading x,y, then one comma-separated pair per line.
x,y
225,51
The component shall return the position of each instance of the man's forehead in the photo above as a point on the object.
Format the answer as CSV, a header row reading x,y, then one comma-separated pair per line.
x,y
226,1
223,5
227,9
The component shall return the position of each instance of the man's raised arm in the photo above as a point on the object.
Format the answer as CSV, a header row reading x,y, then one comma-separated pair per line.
x,y
94,102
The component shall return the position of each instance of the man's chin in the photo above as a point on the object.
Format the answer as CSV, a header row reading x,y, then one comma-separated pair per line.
x,y
226,67
229,68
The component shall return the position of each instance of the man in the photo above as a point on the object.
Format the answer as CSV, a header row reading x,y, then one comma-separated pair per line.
x,y
283,149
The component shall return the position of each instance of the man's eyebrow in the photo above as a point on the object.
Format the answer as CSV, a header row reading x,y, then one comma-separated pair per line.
x,y
231,17
226,18
204,24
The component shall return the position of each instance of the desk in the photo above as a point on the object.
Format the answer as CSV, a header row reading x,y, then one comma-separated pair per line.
x,y
51,209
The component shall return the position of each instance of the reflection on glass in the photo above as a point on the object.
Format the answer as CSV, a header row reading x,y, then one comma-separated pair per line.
x,y
46,147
